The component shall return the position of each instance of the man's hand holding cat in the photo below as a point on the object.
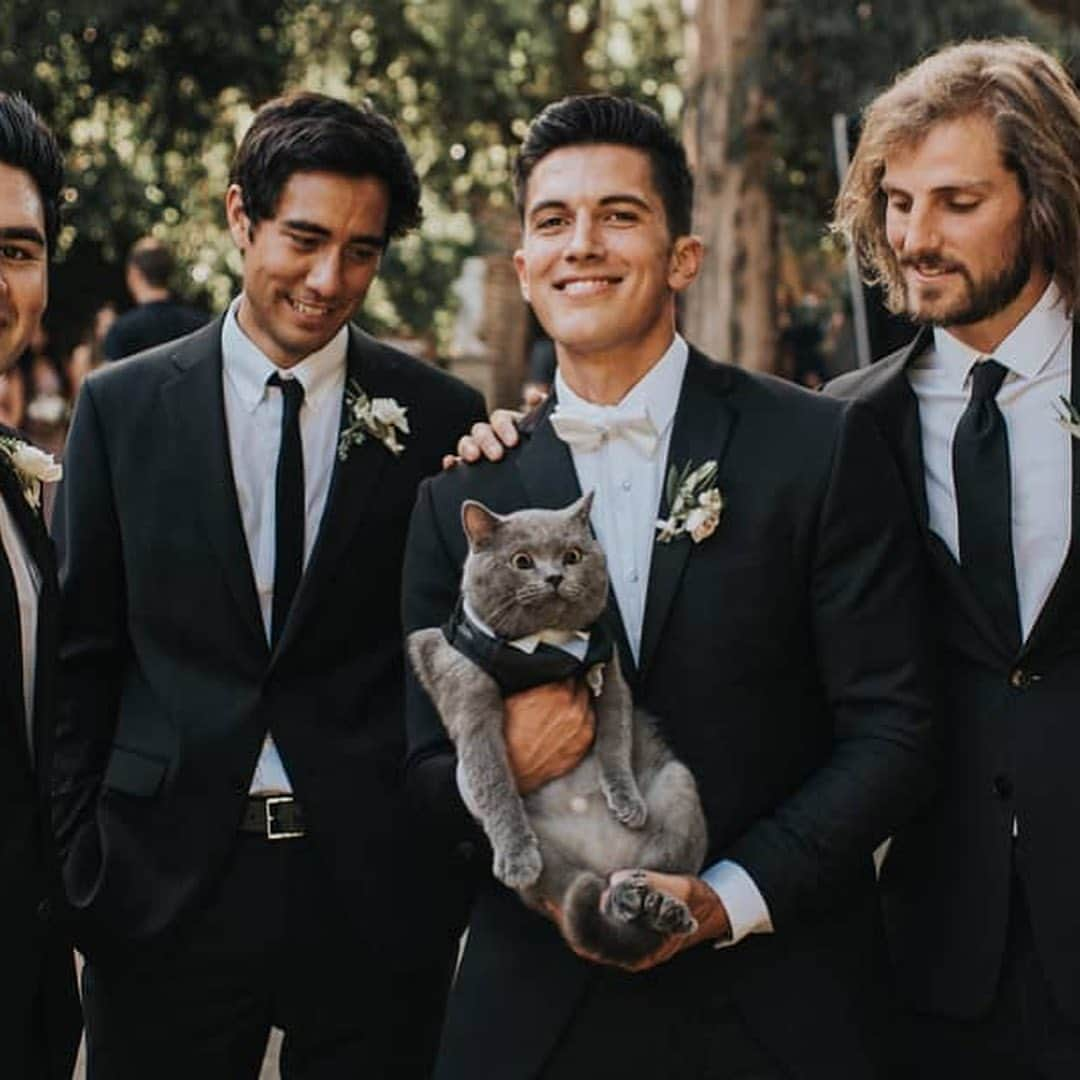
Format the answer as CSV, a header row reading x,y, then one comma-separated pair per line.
x,y
706,907
547,731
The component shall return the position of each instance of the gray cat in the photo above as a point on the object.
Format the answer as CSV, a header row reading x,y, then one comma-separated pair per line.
x,y
627,804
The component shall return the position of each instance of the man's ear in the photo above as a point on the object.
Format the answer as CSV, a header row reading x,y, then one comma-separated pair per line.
x,y
479,523
522,273
237,217
684,263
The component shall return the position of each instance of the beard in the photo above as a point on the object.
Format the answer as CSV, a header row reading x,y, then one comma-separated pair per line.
x,y
985,297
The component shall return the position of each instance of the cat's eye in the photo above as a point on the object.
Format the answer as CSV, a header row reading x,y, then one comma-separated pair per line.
x,y
572,556
521,560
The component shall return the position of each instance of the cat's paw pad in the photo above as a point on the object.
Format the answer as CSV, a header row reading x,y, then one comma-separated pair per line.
x,y
520,867
634,900
627,805
626,899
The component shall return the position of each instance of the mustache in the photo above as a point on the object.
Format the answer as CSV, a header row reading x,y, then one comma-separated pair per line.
x,y
932,262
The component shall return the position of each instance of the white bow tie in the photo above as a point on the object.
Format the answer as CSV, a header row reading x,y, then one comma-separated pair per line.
x,y
586,431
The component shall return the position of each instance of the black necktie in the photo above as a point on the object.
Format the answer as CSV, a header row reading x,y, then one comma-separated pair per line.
x,y
289,507
981,473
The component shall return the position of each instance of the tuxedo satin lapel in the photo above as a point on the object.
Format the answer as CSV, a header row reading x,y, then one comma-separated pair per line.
x,y
353,484
195,405
704,422
546,470
1064,598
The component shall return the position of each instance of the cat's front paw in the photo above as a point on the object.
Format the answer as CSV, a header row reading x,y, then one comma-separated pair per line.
x,y
626,804
519,867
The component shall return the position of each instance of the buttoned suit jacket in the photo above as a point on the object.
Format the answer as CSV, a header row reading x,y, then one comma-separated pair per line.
x,y
781,657
38,958
1010,741
169,684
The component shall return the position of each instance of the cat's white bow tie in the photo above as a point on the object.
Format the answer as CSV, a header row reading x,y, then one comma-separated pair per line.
x,y
586,431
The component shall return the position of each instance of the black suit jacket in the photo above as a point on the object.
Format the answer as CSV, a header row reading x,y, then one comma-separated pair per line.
x,y
1011,740
782,658
38,959
169,685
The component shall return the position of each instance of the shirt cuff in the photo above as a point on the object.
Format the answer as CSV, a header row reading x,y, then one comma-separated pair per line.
x,y
746,909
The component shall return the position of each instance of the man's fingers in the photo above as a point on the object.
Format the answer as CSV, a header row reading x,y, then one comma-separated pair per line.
x,y
449,461
504,425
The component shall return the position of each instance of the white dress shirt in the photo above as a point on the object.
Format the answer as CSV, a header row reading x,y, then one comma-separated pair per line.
x,y
625,509
27,592
1038,355
253,420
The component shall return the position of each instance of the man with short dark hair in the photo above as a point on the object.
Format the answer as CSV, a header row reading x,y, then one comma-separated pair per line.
x,y
231,530
768,618
963,199
157,316
39,1024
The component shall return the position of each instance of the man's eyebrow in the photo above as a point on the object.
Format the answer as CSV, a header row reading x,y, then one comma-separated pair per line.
x,y
959,185
22,232
311,229
606,200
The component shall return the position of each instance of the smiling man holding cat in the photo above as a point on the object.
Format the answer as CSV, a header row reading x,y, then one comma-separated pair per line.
x,y
777,644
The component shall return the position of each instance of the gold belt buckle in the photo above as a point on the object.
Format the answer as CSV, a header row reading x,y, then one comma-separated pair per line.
x,y
272,833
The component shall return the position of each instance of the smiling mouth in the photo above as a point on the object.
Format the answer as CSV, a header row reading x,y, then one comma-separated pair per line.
x,y
304,307
591,286
931,270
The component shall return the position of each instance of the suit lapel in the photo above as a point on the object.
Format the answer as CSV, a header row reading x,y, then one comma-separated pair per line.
x,y
195,403
897,409
546,470
704,422
353,484
1064,598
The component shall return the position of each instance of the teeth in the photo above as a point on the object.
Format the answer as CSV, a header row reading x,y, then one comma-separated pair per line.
x,y
585,288
309,309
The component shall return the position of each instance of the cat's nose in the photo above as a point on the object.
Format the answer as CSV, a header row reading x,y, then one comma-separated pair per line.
x,y
554,580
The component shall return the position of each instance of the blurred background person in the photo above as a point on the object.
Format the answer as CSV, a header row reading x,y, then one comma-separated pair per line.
x,y
157,316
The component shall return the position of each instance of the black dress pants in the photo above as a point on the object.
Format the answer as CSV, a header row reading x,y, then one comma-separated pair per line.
x,y
270,948
1024,1036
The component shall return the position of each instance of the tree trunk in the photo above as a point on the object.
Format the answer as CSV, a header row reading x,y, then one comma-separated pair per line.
x,y
730,310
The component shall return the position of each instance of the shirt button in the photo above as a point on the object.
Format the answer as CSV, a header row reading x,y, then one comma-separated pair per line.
x,y
626,485
633,575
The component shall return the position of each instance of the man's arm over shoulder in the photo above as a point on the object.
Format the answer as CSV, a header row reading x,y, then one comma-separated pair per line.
x,y
867,599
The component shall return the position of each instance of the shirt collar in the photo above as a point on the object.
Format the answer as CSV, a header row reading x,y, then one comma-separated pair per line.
x,y
575,642
247,367
1026,351
657,390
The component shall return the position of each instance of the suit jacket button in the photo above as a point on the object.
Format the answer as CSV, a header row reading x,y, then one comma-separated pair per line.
x,y
466,850
1003,787
1020,679
44,910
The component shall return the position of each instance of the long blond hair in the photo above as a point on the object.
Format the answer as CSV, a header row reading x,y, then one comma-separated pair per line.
x,y
1034,107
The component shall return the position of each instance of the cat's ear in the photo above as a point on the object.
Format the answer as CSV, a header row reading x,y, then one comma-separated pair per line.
x,y
479,523
580,510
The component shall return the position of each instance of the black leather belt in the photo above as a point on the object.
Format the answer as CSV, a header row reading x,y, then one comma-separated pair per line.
x,y
277,817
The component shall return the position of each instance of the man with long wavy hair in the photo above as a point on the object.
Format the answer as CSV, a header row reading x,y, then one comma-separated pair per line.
x,y
963,201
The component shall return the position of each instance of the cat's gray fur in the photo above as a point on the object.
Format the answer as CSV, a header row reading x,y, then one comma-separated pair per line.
x,y
628,804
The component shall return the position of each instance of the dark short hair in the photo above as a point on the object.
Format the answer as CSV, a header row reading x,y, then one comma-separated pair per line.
x,y
153,260
27,144
309,132
602,118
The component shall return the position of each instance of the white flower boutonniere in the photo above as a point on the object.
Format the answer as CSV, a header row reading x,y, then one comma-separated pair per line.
x,y
694,503
1068,416
32,467
381,418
